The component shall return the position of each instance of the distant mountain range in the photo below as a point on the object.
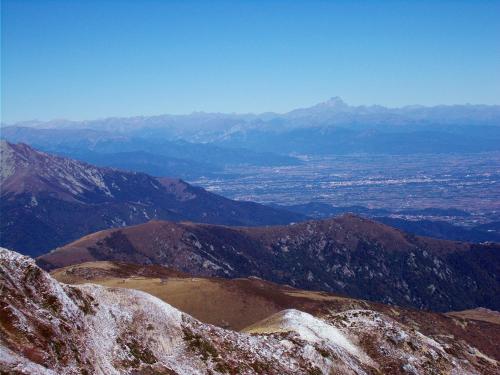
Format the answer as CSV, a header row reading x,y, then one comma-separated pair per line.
x,y
200,126
333,127
47,201
348,255
201,144
149,153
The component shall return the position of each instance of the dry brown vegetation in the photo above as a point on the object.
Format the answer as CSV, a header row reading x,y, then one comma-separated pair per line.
x,y
481,314
239,303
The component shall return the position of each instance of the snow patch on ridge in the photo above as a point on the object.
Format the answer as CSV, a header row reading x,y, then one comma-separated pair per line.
x,y
310,329
313,329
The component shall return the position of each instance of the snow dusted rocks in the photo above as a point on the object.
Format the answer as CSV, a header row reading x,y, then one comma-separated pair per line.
x,y
398,348
317,334
307,327
47,327
52,328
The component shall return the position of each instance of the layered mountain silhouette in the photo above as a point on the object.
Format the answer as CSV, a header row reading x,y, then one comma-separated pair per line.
x,y
149,151
348,255
47,201
331,127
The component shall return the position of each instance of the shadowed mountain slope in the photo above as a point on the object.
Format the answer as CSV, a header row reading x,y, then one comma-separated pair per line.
x,y
47,201
348,255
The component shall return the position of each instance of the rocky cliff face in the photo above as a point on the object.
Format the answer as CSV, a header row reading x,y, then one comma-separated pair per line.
x,y
348,255
52,328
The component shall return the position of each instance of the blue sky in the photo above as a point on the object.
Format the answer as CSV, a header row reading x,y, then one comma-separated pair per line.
x,y
91,59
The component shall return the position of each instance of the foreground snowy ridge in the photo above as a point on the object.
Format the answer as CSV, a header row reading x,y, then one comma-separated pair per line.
x,y
51,328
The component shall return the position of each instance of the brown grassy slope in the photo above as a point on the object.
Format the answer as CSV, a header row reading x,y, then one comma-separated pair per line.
x,y
234,303
346,255
238,303
481,314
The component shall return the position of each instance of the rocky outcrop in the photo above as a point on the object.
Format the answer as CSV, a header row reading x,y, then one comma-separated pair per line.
x,y
52,328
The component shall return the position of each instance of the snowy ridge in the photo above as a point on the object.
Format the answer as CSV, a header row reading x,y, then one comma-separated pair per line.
x,y
51,328
119,331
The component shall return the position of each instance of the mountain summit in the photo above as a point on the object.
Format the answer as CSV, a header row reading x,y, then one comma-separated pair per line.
x,y
335,102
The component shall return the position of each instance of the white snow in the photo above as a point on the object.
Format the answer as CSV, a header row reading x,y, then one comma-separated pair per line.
x,y
316,330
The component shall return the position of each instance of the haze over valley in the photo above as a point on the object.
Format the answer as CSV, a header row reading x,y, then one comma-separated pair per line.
x,y
333,154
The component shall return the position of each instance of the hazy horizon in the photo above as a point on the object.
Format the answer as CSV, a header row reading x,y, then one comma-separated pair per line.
x,y
415,105
98,59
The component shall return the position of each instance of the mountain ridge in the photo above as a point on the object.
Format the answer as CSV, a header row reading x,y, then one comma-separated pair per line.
x,y
52,328
333,103
48,200
347,255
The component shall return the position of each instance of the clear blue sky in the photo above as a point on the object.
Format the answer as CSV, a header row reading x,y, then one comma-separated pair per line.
x,y
89,59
